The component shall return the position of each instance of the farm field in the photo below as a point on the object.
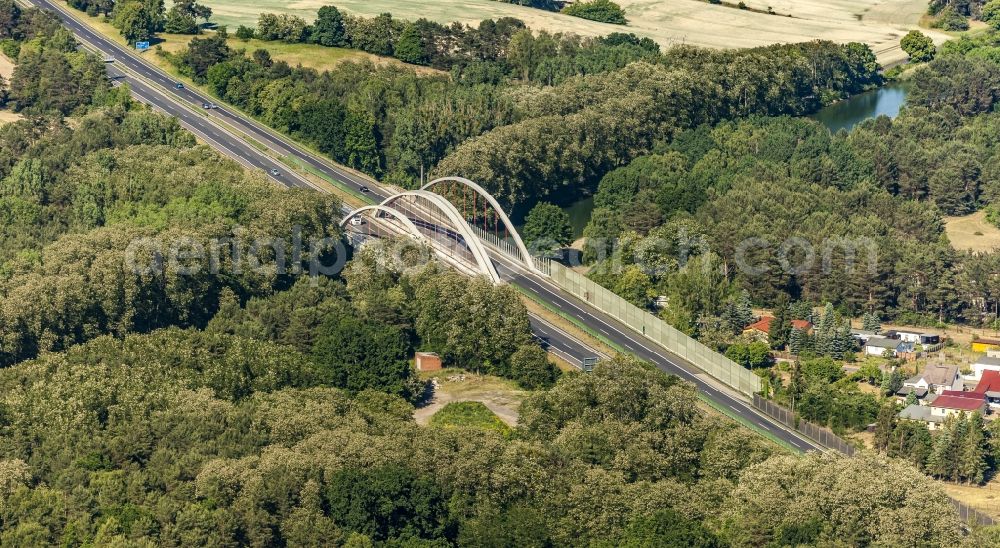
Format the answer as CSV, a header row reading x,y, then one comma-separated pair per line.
x,y
878,23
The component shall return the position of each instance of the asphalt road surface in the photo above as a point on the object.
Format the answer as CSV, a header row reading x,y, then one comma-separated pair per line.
x,y
159,90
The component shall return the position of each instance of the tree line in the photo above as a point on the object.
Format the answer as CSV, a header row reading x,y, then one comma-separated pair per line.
x,y
966,448
478,52
230,440
141,20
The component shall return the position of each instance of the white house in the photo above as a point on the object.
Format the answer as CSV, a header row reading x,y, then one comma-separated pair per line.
x,y
915,337
936,378
986,363
876,346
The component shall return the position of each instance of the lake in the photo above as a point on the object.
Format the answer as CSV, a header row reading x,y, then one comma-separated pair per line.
x,y
886,100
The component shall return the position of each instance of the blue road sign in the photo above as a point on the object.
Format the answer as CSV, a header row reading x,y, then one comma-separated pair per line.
x,y
142,46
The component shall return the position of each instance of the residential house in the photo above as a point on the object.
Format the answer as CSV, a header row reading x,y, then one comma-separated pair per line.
x,y
984,364
915,337
877,346
905,391
761,329
989,386
985,345
949,402
862,335
935,378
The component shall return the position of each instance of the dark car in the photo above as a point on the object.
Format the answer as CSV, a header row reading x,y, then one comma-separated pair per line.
x,y
365,189
179,85
275,172
206,106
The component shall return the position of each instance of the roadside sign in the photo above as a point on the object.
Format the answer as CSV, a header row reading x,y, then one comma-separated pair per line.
x,y
589,363
142,46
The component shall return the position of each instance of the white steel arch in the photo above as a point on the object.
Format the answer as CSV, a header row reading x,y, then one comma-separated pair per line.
x,y
479,252
407,223
518,242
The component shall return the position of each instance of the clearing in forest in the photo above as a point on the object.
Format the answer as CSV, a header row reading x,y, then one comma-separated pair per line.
x,y
972,232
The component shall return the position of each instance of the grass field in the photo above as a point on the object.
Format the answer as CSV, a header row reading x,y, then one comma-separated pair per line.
x,y
972,232
879,23
469,414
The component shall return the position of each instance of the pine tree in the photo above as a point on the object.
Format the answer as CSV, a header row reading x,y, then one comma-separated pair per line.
x,y
781,326
939,463
885,425
796,341
911,398
796,384
871,322
972,458
738,312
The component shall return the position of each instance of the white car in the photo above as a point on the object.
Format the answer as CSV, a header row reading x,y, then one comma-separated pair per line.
x,y
357,220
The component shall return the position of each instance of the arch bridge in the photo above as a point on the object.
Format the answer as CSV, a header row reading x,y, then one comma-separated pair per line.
x,y
457,218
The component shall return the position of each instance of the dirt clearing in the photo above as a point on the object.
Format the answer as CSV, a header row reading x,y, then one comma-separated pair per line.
x,y
500,396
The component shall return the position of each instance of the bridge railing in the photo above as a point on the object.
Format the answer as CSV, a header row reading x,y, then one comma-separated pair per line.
x,y
642,322
500,244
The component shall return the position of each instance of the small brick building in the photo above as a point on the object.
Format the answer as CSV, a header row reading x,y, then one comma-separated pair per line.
x,y
427,361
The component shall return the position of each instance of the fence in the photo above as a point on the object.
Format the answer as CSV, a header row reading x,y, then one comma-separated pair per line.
x,y
827,438
821,435
718,366
969,514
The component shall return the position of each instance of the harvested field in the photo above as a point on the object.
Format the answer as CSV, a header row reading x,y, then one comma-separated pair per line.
x,y
878,23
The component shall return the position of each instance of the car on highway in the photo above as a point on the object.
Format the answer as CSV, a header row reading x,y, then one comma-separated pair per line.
x,y
275,172
357,220
206,106
179,85
364,189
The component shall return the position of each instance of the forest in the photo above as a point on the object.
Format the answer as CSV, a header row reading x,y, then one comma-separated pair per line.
x,y
885,186
254,407
601,101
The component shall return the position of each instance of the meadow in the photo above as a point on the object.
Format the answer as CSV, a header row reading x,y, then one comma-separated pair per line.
x,y
878,23
972,232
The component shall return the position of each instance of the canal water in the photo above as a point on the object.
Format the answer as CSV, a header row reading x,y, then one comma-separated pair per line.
x,y
884,101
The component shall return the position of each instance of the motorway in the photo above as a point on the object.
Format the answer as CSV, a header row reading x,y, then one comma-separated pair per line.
x,y
157,89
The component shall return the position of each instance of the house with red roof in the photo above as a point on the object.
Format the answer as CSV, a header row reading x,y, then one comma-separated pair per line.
x,y
941,406
950,402
761,329
989,386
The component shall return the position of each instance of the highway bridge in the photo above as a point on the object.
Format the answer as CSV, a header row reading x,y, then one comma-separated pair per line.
x,y
259,148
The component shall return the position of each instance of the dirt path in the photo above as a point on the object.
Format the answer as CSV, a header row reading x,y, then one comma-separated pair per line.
x,y
6,67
